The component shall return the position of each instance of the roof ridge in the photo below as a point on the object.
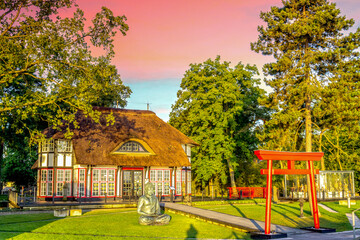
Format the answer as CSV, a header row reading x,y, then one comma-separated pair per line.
x,y
109,109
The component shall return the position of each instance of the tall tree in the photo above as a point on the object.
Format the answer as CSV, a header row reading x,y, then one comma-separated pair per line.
x,y
17,164
310,72
217,106
47,70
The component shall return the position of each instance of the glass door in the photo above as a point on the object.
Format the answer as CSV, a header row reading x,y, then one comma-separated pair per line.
x,y
132,183
137,183
127,186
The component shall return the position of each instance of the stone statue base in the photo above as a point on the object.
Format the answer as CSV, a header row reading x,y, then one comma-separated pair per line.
x,y
162,219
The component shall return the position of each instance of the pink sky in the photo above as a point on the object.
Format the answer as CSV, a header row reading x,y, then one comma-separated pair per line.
x,y
165,36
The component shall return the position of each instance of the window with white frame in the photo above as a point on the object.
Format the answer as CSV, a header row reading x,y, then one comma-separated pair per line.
x,y
68,160
166,182
47,145
178,182
81,183
152,176
188,150
46,182
161,180
44,157
189,181
95,182
181,181
46,160
64,160
132,146
64,145
103,182
63,182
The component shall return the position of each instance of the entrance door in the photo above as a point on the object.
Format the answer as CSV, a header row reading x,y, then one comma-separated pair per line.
x,y
132,183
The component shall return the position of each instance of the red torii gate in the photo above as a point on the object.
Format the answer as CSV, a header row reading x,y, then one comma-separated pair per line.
x,y
291,157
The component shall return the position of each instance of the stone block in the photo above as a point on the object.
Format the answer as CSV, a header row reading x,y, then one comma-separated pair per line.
x,y
61,212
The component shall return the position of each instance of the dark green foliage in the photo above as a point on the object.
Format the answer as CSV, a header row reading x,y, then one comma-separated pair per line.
x,y
17,165
47,71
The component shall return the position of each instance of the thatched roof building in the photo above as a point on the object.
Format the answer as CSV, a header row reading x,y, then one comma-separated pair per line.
x,y
95,143
115,159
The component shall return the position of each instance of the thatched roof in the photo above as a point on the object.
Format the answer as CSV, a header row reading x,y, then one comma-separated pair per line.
x,y
94,142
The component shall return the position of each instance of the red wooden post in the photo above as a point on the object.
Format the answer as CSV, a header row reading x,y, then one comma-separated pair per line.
x,y
313,195
291,164
264,192
268,197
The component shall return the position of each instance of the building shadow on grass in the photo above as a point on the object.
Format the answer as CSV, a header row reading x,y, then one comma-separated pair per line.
x,y
13,225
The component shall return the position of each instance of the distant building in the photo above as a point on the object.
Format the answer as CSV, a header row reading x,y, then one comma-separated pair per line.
x,y
116,160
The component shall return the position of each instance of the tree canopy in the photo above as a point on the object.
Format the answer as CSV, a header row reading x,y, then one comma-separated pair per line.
x,y
315,80
315,73
47,68
217,106
46,62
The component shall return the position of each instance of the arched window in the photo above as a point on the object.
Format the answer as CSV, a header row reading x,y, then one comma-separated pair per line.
x,y
132,146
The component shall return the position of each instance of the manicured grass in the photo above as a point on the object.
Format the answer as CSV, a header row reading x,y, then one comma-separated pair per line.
x,y
285,214
108,224
342,208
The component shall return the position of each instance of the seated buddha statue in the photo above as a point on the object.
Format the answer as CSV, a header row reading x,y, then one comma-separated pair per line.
x,y
149,208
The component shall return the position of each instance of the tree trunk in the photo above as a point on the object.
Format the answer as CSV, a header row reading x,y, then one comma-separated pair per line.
x,y
320,150
338,151
232,179
308,125
308,147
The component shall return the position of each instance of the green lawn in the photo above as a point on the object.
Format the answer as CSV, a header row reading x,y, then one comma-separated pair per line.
x,y
119,223
107,224
342,208
285,214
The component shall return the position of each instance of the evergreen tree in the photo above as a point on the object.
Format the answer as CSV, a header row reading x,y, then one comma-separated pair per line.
x,y
314,76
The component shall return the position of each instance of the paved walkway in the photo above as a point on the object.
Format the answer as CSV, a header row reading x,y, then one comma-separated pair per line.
x,y
327,208
254,225
327,236
357,220
229,220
